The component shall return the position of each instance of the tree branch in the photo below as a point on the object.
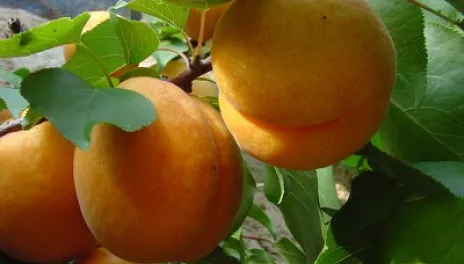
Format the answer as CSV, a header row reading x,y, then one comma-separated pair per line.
x,y
184,79
11,126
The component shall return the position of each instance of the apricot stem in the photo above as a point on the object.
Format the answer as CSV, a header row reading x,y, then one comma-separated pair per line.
x,y
459,24
11,126
184,79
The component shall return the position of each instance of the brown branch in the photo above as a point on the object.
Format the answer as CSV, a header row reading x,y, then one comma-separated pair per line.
x,y
11,126
184,79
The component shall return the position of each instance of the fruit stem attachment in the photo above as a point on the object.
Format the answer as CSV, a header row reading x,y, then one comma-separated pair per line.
x,y
197,52
102,68
459,24
197,68
11,126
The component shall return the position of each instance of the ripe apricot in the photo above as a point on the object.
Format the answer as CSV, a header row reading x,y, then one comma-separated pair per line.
x,y
302,63
148,195
212,16
305,148
229,194
40,219
101,255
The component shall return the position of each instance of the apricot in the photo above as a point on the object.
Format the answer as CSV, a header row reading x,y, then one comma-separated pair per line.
x,y
102,256
5,115
149,194
305,148
212,16
40,219
303,63
229,194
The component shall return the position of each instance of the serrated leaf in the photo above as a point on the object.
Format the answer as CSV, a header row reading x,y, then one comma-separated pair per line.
x,y
258,256
290,251
74,107
448,173
200,4
13,100
43,37
138,39
100,48
170,13
334,253
249,189
300,208
259,215
432,132
216,257
426,231
274,184
11,78
358,225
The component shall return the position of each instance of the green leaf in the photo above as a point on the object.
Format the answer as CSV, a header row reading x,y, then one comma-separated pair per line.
x,y
334,253
249,189
448,173
31,119
139,71
432,132
11,78
358,225
164,56
74,107
300,208
171,13
201,4
138,39
327,191
290,251
259,215
258,256
426,231
274,184
235,247
458,4
216,257
22,72
213,101
43,37
100,48
13,100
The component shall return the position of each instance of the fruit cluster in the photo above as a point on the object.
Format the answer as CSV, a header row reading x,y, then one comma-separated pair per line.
x,y
301,85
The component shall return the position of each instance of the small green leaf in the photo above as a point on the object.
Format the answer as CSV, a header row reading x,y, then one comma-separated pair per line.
x,y
173,14
258,256
235,247
31,119
249,189
426,231
139,71
259,215
164,56
448,173
14,101
74,107
334,253
216,257
327,191
358,224
43,37
290,251
213,101
22,72
138,39
200,4
274,184
300,208
11,78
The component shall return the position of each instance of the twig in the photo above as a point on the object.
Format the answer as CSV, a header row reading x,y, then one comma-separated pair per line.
x,y
11,126
459,24
184,79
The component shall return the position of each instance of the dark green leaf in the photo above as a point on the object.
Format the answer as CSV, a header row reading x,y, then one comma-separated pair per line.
x,y
300,208
259,215
74,107
13,100
327,191
138,39
235,247
216,257
43,37
198,3
274,184
249,189
426,231
358,225
22,72
290,251
100,48
334,253
448,173
213,101
258,256
11,78
31,119
458,4
139,71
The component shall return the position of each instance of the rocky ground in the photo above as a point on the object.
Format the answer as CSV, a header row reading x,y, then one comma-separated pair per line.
x,y
34,12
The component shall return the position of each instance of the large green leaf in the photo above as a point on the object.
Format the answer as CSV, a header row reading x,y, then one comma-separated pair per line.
x,y
290,251
334,253
12,99
258,256
274,184
198,3
426,231
45,36
448,173
74,107
258,214
300,208
432,130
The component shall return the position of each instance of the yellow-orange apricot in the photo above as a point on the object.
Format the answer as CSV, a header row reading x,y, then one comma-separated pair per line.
x,y
40,219
102,256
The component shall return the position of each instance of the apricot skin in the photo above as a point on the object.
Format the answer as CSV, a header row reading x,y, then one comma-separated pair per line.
x,y
102,256
148,195
40,219
304,148
193,23
299,63
229,194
